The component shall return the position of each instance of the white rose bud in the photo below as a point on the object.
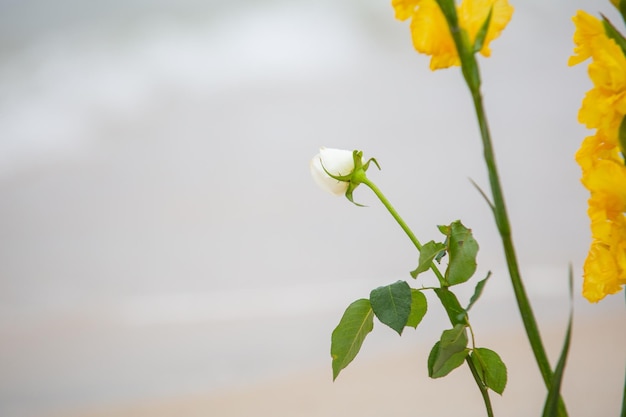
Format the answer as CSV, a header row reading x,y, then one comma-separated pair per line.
x,y
338,162
339,171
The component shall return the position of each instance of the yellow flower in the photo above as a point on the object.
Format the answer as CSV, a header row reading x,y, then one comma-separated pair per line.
x,y
404,8
607,185
588,30
596,148
472,15
602,273
600,158
605,104
431,34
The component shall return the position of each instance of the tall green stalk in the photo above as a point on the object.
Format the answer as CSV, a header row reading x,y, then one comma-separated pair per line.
x,y
504,229
469,360
471,74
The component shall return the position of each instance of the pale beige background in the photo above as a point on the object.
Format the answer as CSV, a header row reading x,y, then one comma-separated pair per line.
x,y
164,250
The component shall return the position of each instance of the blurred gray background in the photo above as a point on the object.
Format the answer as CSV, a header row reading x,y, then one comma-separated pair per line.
x,y
160,232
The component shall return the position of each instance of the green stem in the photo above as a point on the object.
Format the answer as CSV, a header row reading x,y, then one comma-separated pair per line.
x,y
471,74
483,389
504,228
451,314
402,224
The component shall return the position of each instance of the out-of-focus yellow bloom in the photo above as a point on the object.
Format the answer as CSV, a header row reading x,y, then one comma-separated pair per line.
x,y
588,30
602,273
603,168
594,149
405,8
605,105
431,34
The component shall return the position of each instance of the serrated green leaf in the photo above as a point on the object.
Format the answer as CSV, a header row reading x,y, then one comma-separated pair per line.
x,y
347,338
453,362
462,248
392,304
449,353
456,313
454,339
419,306
491,369
428,253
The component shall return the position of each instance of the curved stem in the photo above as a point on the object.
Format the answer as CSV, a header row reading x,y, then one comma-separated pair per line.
x,y
402,224
451,314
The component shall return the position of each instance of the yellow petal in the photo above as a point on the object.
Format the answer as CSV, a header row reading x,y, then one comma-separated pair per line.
x,y
404,8
601,274
431,36
588,30
473,13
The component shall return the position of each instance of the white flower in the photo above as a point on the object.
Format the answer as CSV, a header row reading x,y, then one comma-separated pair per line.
x,y
337,162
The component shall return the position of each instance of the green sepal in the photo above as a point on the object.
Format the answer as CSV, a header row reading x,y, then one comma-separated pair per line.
x,y
479,42
347,338
449,352
419,307
356,177
490,368
349,191
614,34
429,252
392,304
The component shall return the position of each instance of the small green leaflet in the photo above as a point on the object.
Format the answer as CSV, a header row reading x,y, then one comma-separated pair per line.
x,y
427,254
419,306
347,338
462,248
456,313
491,369
392,304
478,290
449,352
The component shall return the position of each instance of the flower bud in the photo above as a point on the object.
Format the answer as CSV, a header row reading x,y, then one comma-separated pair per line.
x,y
337,162
339,171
